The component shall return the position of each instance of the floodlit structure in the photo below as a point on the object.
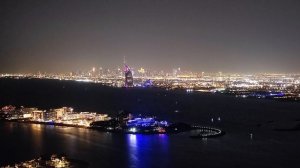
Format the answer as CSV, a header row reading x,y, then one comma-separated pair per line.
x,y
128,77
38,115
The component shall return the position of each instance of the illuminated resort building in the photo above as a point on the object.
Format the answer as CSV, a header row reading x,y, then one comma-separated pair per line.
x,y
146,125
62,116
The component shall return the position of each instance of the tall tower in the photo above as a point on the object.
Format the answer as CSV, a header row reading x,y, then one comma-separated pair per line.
x,y
128,75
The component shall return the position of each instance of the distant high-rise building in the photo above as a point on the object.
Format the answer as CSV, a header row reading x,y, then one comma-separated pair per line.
x,y
128,77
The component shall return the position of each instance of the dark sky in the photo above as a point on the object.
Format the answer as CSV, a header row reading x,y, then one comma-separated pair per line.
x,y
200,35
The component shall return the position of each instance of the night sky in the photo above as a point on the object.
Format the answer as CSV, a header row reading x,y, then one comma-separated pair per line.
x,y
202,35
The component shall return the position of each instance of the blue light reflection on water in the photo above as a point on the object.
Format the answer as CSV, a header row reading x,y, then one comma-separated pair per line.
x,y
145,149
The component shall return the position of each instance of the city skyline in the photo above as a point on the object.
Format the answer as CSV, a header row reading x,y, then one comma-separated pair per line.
x,y
209,36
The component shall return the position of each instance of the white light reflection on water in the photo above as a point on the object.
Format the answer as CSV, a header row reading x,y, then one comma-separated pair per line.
x,y
133,158
142,149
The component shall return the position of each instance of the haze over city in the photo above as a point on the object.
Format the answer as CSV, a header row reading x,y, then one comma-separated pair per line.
x,y
212,35
149,83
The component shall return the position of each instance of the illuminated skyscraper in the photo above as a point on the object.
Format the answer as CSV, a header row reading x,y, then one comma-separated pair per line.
x,y
128,77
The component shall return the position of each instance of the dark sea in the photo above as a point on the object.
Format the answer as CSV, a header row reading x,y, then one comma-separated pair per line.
x,y
239,118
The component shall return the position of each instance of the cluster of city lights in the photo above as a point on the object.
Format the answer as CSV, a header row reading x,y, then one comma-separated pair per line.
x,y
242,85
51,161
60,116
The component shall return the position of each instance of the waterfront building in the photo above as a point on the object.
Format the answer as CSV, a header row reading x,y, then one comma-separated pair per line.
x,y
27,115
28,109
60,112
50,115
101,117
38,115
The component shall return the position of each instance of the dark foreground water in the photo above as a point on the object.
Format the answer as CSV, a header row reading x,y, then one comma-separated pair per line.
x,y
239,118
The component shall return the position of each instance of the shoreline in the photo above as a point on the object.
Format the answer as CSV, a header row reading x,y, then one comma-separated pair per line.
x,y
45,123
209,132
